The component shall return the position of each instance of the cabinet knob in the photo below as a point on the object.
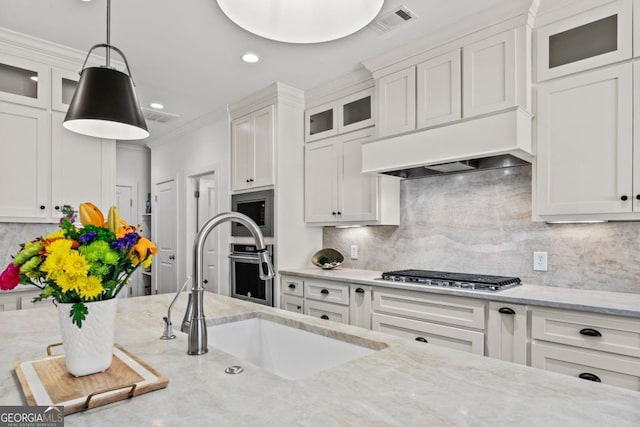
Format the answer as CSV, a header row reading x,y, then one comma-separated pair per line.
x,y
360,290
292,286
590,332
421,339
42,207
637,196
623,198
590,377
333,213
57,208
172,257
339,213
324,292
325,317
205,281
506,310
299,307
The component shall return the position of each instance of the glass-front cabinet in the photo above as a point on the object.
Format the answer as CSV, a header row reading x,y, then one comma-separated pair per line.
x,y
347,114
24,82
63,85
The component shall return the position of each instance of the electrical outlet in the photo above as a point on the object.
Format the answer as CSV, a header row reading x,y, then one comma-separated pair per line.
x,y
354,251
540,261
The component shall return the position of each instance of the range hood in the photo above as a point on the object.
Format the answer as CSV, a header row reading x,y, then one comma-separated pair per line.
x,y
492,141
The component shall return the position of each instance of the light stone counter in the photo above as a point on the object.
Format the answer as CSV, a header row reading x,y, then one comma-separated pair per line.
x,y
404,384
618,303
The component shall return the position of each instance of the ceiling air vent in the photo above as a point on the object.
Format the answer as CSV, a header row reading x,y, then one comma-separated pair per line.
x,y
393,19
158,116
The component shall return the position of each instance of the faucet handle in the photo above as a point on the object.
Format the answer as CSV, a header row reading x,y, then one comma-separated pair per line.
x,y
266,267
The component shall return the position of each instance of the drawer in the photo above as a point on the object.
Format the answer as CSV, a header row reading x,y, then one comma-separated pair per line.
x,y
323,290
440,335
620,371
292,286
292,303
337,313
613,334
456,311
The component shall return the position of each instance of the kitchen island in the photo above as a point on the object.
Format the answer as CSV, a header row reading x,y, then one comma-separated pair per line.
x,y
406,383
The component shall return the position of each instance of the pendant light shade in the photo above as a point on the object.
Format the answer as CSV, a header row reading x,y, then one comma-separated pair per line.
x,y
105,104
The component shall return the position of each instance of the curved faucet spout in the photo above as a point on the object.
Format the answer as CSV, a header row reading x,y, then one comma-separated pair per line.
x,y
197,326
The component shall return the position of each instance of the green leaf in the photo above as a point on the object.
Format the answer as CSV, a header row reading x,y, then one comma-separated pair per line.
x,y
78,313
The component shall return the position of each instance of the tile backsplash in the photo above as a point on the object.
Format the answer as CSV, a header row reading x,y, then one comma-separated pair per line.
x,y
480,222
12,235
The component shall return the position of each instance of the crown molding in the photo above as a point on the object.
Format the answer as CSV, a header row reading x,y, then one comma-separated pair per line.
x,y
275,93
195,124
347,84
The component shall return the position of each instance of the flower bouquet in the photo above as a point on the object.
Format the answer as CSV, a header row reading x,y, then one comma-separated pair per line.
x,y
81,268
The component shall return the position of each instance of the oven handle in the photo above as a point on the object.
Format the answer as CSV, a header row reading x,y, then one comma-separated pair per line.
x,y
249,258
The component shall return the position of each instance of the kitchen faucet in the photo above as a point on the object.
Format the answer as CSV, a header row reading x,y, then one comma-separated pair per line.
x,y
195,311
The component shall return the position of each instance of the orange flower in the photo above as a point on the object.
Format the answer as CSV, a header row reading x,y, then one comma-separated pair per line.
x,y
144,247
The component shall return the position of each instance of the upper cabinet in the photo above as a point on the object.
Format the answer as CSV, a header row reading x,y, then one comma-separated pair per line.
x,y
349,113
439,90
63,86
24,82
252,150
396,102
590,39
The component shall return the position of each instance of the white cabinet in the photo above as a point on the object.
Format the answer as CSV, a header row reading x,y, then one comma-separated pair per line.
x,y
439,96
593,38
595,347
292,303
24,82
252,139
396,99
344,115
585,143
453,322
489,74
337,192
507,332
26,170
327,300
63,86
360,305
292,298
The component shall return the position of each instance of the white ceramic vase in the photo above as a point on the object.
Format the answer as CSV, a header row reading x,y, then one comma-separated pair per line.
x,y
89,349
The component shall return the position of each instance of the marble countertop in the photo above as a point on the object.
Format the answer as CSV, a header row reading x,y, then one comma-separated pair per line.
x,y
404,384
621,304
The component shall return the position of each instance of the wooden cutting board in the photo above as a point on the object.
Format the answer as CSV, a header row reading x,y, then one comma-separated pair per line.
x,y
46,381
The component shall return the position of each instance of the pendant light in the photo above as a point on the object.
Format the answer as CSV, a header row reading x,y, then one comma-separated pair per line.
x,y
105,104
301,21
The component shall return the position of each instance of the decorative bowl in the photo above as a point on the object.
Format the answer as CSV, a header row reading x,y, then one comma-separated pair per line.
x,y
327,258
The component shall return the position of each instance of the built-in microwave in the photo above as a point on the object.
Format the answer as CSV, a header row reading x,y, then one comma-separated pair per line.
x,y
257,205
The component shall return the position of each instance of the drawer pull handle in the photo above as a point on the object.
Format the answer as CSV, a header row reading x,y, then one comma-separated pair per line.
x,y
590,332
421,339
506,310
292,286
590,377
360,290
324,292
325,317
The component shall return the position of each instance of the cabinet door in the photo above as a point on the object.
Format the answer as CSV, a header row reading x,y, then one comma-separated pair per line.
x,y
636,134
63,86
439,83
292,303
488,74
321,122
355,111
26,169
396,94
360,305
241,152
321,176
584,158
507,332
83,168
261,160
357,199
596,37
24,82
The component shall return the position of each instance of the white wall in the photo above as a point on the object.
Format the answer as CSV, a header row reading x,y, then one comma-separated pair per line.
x,y
198,148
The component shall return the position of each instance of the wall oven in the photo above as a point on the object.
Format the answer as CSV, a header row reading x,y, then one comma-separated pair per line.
x,y
245,280
257,205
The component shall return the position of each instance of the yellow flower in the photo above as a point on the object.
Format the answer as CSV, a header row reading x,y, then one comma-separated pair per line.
x,y
68,282
89,287
60,245
55,236
144,247
75,264
54,264
147,262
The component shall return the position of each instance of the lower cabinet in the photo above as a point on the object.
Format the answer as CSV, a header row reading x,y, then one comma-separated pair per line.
x,y
507,332
360,305
327,311
292,303
20,300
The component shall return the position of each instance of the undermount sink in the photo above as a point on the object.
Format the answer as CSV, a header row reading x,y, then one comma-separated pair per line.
x,y
285,349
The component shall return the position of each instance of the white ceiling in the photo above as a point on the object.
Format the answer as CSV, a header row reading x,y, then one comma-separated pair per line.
x,y
186,53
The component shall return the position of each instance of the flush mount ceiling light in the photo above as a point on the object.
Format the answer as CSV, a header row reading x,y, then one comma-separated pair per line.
x,y
301,21
105,104
156,105
251,58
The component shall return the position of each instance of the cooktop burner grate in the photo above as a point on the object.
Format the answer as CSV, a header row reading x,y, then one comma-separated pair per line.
x,y
452,280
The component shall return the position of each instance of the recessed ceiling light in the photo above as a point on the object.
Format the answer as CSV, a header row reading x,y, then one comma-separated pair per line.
x,y
250,57
301,21
34,78
156,105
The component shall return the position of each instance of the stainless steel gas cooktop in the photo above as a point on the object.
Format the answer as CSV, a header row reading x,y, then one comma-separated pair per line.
x,y
445,279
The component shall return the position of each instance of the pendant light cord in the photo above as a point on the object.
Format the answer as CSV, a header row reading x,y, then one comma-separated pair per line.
x,y
108,33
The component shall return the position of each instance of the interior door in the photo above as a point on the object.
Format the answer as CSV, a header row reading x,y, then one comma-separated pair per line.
x,y
207,208
165,213
124,203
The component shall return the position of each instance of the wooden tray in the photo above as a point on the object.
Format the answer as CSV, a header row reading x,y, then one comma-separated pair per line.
x,y
46,381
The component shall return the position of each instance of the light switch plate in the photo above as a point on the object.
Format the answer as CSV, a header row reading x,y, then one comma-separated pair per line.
x,y
354,251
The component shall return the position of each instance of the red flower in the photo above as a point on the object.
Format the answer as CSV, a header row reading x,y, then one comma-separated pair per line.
x,y
10,277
